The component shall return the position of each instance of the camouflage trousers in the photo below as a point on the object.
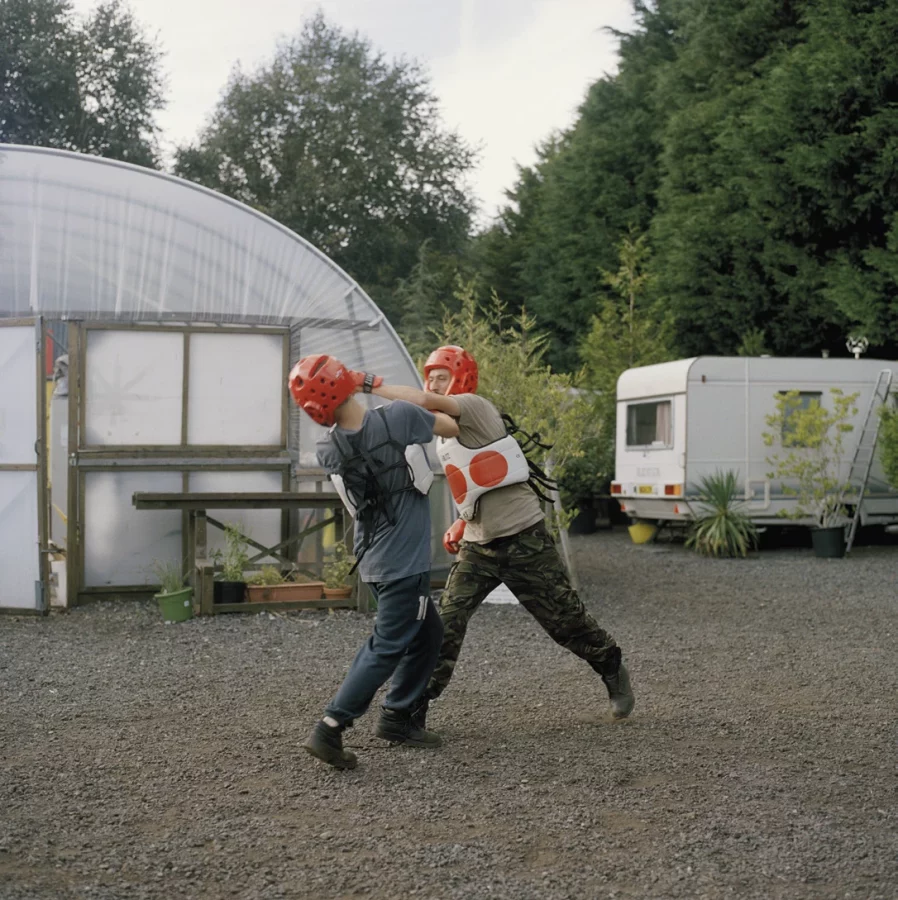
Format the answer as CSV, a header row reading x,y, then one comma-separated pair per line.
x,y
529,565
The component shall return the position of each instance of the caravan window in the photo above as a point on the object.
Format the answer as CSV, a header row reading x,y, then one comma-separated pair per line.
x,y
805,400
648,424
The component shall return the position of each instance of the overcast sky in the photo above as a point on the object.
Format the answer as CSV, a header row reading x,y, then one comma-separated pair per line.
x,y
507,72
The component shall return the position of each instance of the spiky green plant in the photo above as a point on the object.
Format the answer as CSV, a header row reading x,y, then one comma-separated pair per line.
x,y
721,527
169,575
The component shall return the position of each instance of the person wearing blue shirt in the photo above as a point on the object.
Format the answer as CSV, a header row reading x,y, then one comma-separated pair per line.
x,y
366,453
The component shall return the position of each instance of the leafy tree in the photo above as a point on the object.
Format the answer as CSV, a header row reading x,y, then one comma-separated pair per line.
x,y
510,353
91,85
425,297
810,441
707,237
753,343
589,186
625,332
344,148
777,205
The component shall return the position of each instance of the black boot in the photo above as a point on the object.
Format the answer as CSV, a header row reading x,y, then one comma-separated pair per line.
x,y
326,743
419,713
620,692
398,727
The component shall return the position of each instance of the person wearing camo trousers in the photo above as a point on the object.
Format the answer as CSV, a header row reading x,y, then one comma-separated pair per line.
x,y
503,539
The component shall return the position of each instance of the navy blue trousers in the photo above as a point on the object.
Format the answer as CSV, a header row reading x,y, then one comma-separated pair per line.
x,y
404,646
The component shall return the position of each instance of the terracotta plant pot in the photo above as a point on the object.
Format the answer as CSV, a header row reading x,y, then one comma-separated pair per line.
x,y
284,593
339,593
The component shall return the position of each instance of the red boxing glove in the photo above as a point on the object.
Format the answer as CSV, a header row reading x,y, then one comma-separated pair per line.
x,y
454,535
364,381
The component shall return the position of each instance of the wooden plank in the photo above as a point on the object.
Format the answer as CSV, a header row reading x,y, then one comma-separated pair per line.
x,y
286,605
233,500
205,602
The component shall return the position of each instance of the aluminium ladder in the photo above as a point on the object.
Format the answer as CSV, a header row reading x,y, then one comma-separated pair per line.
x,y
865,452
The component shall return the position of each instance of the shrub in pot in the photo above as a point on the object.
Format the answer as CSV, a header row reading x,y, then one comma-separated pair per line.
x,y
175,598
810,438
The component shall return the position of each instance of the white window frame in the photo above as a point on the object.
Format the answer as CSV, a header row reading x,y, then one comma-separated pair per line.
x,y
654,445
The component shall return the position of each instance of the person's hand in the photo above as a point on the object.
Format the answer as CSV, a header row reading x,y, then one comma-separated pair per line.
x,y
364,381
454,535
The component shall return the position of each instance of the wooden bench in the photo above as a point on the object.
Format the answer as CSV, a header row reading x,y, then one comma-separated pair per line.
x,y
201,568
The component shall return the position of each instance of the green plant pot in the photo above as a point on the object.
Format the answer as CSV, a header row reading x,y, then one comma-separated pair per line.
x,y
829,543
177,607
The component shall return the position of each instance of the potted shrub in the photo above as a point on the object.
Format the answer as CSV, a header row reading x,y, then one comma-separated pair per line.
x,y
720,527
811,438
231,586
175,598
581,479
337,573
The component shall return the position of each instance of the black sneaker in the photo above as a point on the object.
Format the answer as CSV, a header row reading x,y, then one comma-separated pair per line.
x,y
398,727
620,693
326,743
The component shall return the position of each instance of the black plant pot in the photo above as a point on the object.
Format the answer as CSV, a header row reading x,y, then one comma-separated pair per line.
x,y
585,520
829,543
229,592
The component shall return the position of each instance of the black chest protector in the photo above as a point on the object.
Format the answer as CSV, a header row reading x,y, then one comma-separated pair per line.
x,y
364,481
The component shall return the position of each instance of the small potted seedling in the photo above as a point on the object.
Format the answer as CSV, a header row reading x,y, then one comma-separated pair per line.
x,y
337,573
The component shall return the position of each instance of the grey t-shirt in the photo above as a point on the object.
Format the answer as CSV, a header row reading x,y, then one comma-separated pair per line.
x,y
505,510
395,551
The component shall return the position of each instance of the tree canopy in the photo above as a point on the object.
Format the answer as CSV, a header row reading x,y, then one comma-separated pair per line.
x,y
754,142
345,148
91,85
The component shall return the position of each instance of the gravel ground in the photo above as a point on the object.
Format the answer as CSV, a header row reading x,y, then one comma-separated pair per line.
x,y
140,760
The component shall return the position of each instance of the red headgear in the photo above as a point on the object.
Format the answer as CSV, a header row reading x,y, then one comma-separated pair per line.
x,y
319,385
460,363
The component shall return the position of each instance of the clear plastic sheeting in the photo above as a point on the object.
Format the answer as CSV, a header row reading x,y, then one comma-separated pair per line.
x,y
232,404
89,238
18,395
18,539
19,549
121,542
133,388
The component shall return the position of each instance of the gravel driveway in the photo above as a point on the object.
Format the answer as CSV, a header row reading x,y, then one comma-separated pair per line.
x,y
139,760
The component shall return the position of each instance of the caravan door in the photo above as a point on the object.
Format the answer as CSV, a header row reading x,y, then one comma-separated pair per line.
x,y
23,519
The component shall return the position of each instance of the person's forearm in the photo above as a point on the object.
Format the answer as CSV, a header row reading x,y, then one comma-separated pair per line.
x,y
402,392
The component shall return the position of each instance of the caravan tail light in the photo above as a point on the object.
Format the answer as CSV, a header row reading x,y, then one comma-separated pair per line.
x,y
616,488
673,490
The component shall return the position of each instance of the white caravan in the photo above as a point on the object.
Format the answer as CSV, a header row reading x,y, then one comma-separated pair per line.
x,y
679,421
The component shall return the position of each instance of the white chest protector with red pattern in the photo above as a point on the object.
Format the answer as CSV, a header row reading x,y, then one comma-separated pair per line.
x,y
473,472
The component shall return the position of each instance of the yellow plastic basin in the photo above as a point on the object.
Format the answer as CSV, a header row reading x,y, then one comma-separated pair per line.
x,y
642,532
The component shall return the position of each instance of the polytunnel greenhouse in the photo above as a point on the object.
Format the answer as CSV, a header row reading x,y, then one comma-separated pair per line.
x,y
147,326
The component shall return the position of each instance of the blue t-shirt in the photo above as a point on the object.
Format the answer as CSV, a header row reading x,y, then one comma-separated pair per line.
x,y
394,551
